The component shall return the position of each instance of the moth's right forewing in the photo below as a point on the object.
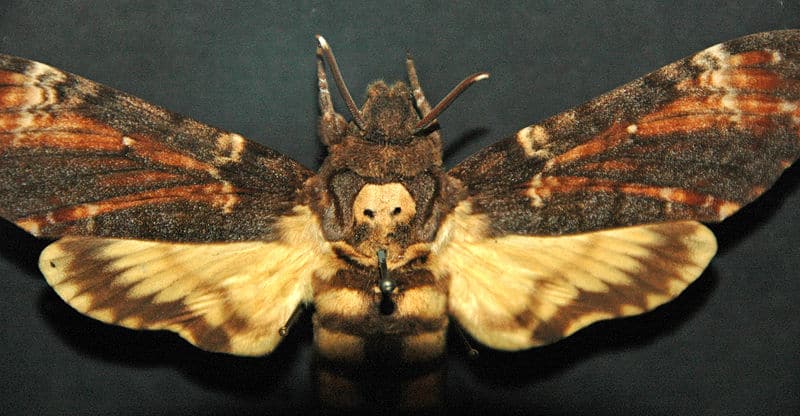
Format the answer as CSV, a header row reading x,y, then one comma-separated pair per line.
x,y
80,158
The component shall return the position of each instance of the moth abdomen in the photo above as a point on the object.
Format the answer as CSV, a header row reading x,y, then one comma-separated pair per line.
x,y
353,324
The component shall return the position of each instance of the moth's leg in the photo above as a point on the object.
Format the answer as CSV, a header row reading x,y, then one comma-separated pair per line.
x,y
419,96
332,126
284,330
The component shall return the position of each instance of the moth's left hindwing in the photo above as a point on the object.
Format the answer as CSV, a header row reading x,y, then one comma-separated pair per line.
x,y
553,234
230,249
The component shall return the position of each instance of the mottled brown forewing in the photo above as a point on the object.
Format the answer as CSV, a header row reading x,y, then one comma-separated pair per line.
x,y
80,158
696,139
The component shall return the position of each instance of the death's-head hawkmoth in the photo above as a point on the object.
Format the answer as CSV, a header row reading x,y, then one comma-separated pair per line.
x,y
166,223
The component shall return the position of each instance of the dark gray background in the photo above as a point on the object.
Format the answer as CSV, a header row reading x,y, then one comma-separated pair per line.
x,y
729,345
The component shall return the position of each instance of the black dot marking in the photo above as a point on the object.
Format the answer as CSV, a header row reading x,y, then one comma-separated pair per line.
x,y
53,265
369,213
396,211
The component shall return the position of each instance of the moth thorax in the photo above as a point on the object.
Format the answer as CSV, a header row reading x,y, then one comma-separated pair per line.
x,y
383,212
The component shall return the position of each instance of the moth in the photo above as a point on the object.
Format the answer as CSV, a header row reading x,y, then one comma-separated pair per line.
x,y
166,223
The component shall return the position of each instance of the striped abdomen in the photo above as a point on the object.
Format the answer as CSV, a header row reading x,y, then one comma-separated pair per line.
x,y
355,322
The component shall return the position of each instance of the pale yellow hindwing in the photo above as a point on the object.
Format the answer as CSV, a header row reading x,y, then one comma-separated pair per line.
x,y
516,292
226,297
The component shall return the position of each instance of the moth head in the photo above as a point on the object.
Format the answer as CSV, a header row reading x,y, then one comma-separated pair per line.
x,y
392,136
389,115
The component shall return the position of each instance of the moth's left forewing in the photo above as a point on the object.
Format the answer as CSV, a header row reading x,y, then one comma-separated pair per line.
x,y
517,292
224,297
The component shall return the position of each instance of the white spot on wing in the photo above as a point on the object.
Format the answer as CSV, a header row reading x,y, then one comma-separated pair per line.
x,y
534,140
23,121
90,209
43,78
787,106
90,224
230,147
38,71
533,191
727,209
229,198
715,57
730,102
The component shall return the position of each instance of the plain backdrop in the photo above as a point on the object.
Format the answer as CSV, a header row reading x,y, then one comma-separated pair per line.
x,y
729,345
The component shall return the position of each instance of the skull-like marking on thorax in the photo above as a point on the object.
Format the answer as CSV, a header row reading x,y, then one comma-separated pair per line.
x,y
382,214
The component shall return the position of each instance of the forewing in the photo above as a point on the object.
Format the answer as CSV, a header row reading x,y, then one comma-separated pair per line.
x,y
223,297
517,292
696,140
79,158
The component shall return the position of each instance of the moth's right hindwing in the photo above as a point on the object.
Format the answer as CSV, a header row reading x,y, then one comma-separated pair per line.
x,y
516,292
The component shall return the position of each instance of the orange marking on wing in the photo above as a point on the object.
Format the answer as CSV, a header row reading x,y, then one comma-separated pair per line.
x,y
13,121
138,178
610,165
61,140
754,79
12,78
748,79
102,165
75,122
756,191
611,137
40,121
547,186
20,96
747,103
762,104
752,58
689,123
214,194
658,123
157,152
684,105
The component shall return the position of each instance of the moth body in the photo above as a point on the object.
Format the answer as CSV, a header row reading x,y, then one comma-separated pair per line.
x,y
381,195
